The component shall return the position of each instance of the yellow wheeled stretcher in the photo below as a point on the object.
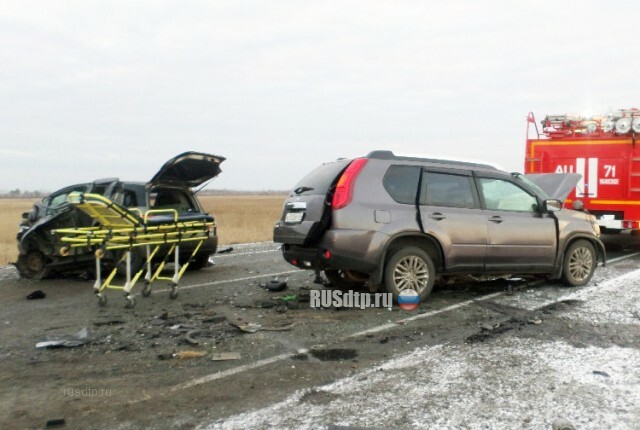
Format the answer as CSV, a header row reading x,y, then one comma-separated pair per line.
x,y
159,231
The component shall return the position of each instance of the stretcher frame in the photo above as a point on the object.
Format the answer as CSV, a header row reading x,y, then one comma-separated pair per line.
x,y
118,228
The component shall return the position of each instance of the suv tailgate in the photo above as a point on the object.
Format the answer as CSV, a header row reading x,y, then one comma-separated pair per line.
x,y
307,212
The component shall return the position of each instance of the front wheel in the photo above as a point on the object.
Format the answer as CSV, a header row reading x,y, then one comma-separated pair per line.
x,y
409,268
579,263
33,265
200,261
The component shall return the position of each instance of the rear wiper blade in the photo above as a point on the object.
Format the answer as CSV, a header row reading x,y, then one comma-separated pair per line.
x,y
301,190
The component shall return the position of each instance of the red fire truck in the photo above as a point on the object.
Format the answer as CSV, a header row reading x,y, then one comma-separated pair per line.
x,y
604,150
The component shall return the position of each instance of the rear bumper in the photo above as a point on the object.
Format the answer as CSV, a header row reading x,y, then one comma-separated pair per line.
x,y
314,258
343,249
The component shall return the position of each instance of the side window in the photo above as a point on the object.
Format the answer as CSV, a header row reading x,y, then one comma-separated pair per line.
x,y
56,200
401,182
126,198
503,195
445,189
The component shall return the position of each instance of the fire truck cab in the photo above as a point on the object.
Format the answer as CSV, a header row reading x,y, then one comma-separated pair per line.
x,y
603,149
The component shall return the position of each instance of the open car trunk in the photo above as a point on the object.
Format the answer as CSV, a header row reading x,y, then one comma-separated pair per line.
x,y
189,169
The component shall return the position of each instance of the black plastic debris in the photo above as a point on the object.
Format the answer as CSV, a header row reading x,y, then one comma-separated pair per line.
x,y
225,250
275,285
108,322
56,422
319,279
38,294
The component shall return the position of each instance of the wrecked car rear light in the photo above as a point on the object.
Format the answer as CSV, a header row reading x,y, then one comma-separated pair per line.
x,y
294,262
344,188
326,254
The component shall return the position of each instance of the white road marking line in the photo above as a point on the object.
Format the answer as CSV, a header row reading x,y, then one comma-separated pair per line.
x,y
281,357
233,371
275,359
387,326
624,257
231,254
228,281
592,288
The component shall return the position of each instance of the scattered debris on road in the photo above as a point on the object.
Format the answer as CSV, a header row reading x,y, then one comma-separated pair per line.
x,y
275,285
185,355
79,339
225,356
37,294
54,423
255,327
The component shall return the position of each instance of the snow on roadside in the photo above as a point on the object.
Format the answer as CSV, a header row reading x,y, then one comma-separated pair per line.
x,y
503,384
521,383
615,301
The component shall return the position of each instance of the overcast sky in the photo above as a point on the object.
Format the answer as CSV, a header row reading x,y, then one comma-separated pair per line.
x,y
92,89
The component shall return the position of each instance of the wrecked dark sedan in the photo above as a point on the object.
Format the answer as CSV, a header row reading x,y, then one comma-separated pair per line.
x,y
170,188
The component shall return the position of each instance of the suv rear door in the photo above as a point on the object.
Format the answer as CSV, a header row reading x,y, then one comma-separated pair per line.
x,y
307,211
450,211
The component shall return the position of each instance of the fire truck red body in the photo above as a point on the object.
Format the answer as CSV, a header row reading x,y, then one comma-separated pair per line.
x,y
604,151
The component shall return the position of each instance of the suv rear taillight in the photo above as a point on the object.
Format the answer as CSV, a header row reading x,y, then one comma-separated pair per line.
x,y
344,188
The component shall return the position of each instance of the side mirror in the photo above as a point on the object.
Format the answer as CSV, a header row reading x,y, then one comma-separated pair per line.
x,y
552,205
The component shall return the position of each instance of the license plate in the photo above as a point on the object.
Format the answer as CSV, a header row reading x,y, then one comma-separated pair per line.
x,y
293,217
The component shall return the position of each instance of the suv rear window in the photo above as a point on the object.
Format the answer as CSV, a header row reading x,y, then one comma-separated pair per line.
x,y
320,179
401,182
449,190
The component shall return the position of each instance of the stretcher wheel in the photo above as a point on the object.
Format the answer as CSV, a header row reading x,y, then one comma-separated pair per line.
x,y
146,291
174,292
102,299
131,302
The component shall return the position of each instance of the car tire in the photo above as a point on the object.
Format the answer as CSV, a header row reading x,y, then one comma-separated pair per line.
x,y
343,279
199,261
33,265
579,263
409,268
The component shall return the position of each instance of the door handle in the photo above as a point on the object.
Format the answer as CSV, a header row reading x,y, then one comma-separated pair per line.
x,y
437,216
496,219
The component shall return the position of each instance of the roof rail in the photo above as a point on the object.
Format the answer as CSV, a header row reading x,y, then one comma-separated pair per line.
x,y
389,155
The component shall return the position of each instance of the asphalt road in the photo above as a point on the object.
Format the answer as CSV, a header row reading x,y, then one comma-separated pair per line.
x,y
305,368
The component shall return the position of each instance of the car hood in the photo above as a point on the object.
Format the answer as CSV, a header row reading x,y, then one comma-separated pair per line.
x,y
556,185
188,169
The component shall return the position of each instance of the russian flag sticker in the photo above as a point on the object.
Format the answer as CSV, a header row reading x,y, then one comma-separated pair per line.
x,y
408,300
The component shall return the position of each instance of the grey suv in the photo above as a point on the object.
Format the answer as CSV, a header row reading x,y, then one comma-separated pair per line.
x,y
402,222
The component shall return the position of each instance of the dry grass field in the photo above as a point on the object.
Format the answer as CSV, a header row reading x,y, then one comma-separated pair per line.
x,y
241,218
10,213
